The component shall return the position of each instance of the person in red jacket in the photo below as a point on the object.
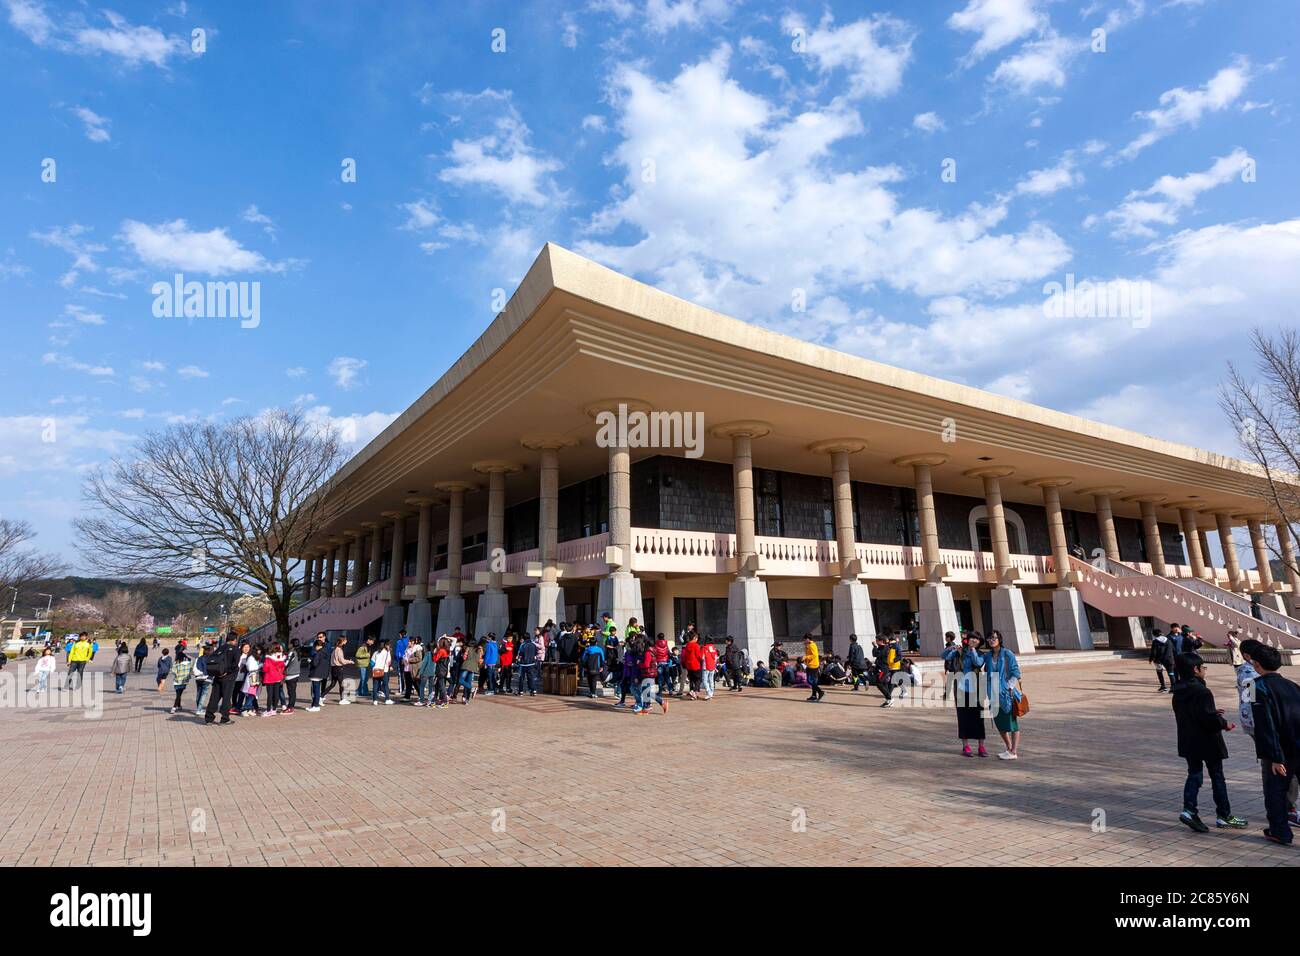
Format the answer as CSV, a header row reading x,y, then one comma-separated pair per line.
x,y
273,679
709,657
663,668
692,661
507,662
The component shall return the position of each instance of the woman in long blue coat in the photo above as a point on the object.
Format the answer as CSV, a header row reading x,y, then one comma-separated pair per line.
x,y
1003,672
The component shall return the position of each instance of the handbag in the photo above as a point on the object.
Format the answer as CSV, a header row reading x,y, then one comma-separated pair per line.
x,y
1020,705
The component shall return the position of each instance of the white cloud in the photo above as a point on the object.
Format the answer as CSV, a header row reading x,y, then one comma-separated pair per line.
x,y
70,240
1041,62
96,125
114,37
569,31
1181,107
1163,201
594,122
502,160
257,217
927,122
296,372
873,51
665,15
191,371
152,366
1043,182
421,214
345,370
82,315
998,23
24,446
355,430
60,360
748,205
174,245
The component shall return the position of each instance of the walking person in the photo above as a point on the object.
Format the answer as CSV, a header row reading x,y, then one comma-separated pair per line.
x,y
708,668
593,664
968,690
338,661
469,668
398,652
223,669
141,652
411,665
362,656
649,670
734,657
1161,654
1200,743
78,656
857,661
292,674
182,672
121,667
813,662
381,662
318,670
426,672
527,662
1003,673
692,662
44,669
1275,712
164,667
886,662
202,682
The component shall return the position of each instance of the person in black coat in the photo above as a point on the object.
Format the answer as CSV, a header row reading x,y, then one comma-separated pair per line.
x,y
1276,713
1200,743
1161,654
222,666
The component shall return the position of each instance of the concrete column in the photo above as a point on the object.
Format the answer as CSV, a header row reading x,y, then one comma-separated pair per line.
x,y
362,571
1191,540
319,589
494,604
329,572
546,599
1009,614
1236,580
1289,569
850,597
376,550
619,592
1124,632
419,616
1268,589
1204,539
341,569
1069,618
394,616
353,551
308,577
1151,531
749,615
936,611
451,609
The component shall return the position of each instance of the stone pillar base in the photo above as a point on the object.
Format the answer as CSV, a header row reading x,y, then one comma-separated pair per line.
x,y
545,603
394,620
493,614
419,619
1070,621
749,617
1011,619
851,614
451,615
1126,633
1273,601
619,595
938,615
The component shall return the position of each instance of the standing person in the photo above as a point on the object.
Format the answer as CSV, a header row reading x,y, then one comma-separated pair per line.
x,y
202,682
813,662
648,668
381,662
1275,712
1161,654
362,657
662,666
469,668
629,676
951,657
507,679
223,669
426,672
967,692
45,667
1003,671
411,664
164,668
252,681
857,662
182,671
692,661
78,656
593,663
273,668
491,661
121,667
399,659
735,661
141,652
527,661
1200,743
441,672
292,674
885,660
338,660
319,670
708,668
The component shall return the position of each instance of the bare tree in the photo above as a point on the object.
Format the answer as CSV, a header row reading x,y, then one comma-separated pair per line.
x,y
20,566
123,609
1265,411
234,502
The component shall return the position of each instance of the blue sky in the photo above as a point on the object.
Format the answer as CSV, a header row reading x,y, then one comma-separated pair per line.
x,y
737,153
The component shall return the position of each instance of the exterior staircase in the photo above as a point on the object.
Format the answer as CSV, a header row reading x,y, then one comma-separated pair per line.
x,y
1121,591
329,614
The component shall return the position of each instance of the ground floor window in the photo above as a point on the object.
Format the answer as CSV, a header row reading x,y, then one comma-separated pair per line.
x,y
795,618
965,615
1044,624
709,615
890,614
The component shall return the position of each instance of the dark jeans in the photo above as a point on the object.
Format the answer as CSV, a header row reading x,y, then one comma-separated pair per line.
x,y
292,685
221,698
592,678
528,679
1276,802
1218,785
139,662
274,696
813,678
506,679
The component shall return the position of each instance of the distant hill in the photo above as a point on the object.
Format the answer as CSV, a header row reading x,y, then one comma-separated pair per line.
x,y
165,600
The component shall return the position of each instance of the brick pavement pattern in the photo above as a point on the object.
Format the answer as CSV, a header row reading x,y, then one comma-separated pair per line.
x,y
575,782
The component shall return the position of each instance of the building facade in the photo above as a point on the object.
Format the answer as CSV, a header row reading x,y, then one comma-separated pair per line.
x,y
606,447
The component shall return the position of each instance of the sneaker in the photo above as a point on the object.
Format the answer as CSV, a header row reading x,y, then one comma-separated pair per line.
x,y
619,703
665,706
173,710
965,752
287,710
199,713
418,703
313,710
1268,835
268,713
1195,822
224,720
388,702
1006,755
345,701
1230,823
982,751
636,710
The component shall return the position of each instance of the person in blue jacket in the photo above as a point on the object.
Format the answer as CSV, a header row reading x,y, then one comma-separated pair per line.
x,y
593,663
491,664
1003,672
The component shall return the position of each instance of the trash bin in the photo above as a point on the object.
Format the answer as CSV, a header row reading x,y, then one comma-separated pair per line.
x,y
548,678
567,680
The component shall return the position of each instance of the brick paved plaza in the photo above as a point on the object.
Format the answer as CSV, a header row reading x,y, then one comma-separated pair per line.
x,y
570,781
